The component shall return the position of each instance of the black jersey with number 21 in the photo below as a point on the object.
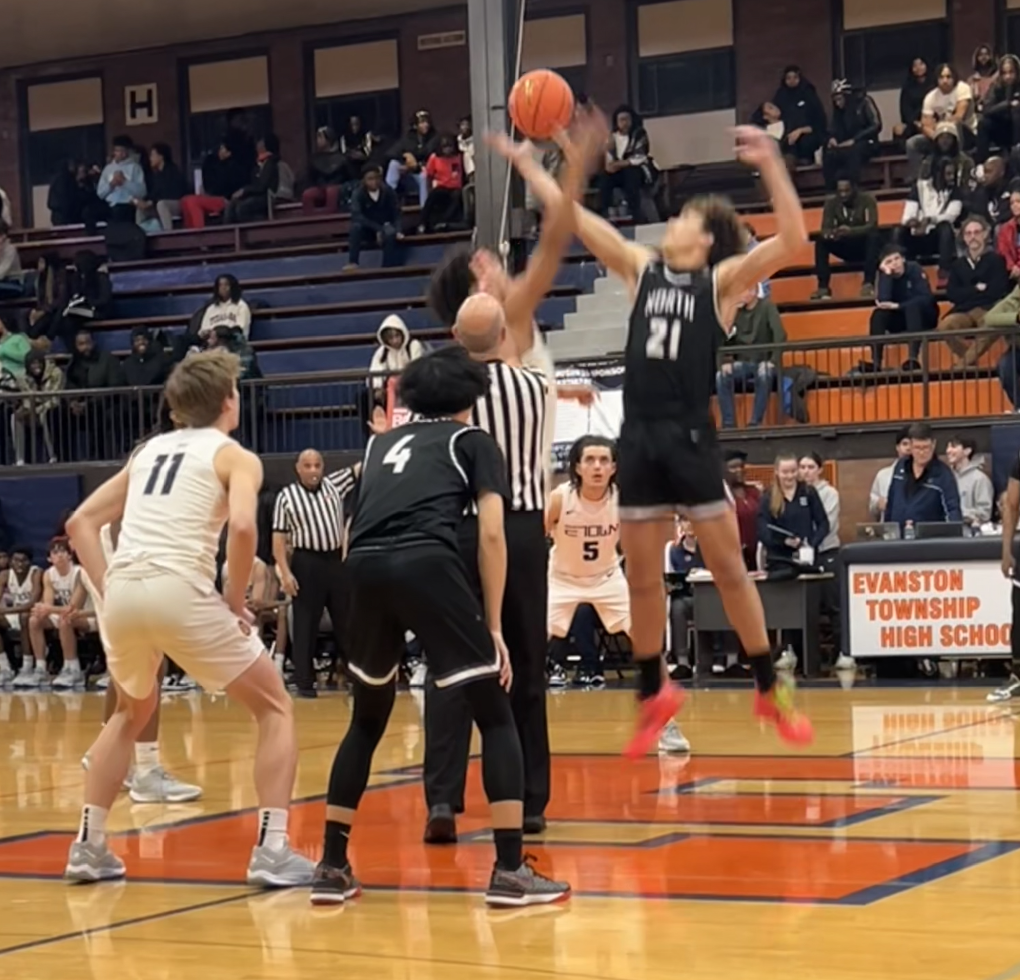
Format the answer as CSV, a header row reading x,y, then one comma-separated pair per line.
x,y
672,343
418,479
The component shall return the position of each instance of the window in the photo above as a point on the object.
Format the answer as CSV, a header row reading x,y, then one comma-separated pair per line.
x,y
576,76
49,150
379,112
206,129
879,58
695,81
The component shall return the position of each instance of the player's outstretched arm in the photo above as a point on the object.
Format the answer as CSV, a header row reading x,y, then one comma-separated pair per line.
x,y
241,474
84,527
739,273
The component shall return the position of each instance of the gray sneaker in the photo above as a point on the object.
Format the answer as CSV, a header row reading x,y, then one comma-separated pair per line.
x,y
525,886
31,679
69,678
673,740
279,869
158,786
93,862
6,675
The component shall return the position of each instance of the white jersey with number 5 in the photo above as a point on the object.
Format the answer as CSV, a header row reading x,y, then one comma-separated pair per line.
x,y
176,508
586,536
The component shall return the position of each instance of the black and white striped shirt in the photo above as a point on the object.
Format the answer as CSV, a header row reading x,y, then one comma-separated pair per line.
x,y
513,412
313,519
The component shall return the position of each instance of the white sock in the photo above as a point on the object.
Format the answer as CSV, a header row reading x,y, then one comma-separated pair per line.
x,y
273,829
93,824
146,757
5,664
72,665
28,663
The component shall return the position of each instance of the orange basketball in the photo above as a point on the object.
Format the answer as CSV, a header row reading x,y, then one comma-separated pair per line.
x,y
541,103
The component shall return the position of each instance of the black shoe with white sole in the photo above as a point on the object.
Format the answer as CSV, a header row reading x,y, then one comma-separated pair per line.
x,y
333,886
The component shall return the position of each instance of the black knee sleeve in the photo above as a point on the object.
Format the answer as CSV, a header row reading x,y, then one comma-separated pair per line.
x,y
502,758
353,761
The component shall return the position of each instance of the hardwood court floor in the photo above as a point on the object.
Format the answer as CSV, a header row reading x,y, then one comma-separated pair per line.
x,y
889,850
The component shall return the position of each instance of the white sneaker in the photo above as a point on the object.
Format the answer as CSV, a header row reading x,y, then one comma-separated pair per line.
x,y
279,869
558,677
787,660
102,682
158,786
70,677
1006,692
419,674
672,739
31,678
93,862
845,662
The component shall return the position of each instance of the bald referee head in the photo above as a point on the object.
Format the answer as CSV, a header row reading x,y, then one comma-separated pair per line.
x,y
480,326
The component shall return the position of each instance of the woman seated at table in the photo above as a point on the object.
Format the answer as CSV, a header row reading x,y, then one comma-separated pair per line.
x,y
792,523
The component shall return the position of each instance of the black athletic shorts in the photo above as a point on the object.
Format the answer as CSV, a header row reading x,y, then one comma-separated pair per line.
x,y
424,589
667,468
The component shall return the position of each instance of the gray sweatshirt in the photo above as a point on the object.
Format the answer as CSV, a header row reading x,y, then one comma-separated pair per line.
x,y
10,261
976,493
830,501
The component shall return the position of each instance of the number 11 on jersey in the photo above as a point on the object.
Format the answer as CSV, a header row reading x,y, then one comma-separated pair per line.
x,y
663,339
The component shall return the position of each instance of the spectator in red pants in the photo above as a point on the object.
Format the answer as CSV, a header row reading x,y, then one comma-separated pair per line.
x,y
325,173
222,176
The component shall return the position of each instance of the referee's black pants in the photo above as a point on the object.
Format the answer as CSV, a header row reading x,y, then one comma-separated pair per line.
x,y
447,715
319,576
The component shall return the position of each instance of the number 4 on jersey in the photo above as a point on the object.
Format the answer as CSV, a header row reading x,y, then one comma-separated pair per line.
x,y
399,455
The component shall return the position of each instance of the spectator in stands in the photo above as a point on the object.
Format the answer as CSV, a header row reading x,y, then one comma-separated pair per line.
x,y
747,502
14,348
240,141
999,123
251,202
769,117
976,493
444,172
903,304
950,101
915,88
42,378
628,166
227,308
12,279
991,197
880,485
803,115
466,145
146,365
407,158
358,146
1005,315
792,523
684,557
72,197
983,76
853,133
1007,242
850,232
235,342
122,182
223,175
51,296
327,170
397,348
930,214
166,188
827,556
977,281
91,367
91,293
922,489
375,216
756,323
95,425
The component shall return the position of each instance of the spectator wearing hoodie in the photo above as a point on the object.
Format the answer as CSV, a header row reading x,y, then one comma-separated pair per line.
x,y
273,179
912,94
14,349
1000,120
803,115
880,485
983,75
166,188
951,101
224,173
405,172
375,216
72,198
853,133
903,303
12,279
991,197
850,232
327,171
41,380
976,492
227,308
122,182
930,214
923,489
397,348
977,281
1005,315
358,146
51,296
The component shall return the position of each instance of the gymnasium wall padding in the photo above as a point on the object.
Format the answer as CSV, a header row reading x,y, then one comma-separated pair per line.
x,y
32,507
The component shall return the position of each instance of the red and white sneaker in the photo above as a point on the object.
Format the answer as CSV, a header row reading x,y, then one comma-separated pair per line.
x,y
654,714
777,708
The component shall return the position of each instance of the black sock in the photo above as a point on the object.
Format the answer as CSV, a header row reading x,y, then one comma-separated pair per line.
x,y
764,671
335,852
509,848
650,677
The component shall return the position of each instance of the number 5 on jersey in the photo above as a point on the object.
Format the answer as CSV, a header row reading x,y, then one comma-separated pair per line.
x,y
663,339
399,455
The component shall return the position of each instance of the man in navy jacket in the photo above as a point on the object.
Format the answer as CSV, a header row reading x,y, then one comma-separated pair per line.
x,y
923,489
903,304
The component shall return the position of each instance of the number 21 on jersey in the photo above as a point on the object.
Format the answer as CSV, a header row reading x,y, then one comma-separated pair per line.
x,y
663,339
399,455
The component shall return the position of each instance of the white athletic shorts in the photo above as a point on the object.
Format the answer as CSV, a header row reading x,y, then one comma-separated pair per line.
x,y
608,595
144,618
91,623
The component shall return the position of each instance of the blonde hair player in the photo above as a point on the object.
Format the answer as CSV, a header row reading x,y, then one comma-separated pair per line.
x,y
583,520
159,596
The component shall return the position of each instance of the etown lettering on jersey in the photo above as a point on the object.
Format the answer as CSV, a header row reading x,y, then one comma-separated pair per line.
x,y
586,536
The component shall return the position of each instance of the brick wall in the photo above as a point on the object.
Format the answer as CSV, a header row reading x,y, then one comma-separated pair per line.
x,y
973,24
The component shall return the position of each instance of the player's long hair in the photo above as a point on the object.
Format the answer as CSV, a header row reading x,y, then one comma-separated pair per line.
x,y
777,501
724,225
577,453
451,284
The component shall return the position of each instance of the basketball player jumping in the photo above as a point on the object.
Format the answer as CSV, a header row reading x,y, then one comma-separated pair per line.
x,y
407,573
583,520
685,297
158,595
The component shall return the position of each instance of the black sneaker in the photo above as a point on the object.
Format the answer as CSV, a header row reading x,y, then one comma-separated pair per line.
x,y
333,886
596,681
557,676
534,824
525,886
441,826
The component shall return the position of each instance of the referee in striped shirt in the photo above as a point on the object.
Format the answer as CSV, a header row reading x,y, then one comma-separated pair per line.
x,y
308,518
513,412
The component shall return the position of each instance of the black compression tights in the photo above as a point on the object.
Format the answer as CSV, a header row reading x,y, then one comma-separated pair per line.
x,y
502,760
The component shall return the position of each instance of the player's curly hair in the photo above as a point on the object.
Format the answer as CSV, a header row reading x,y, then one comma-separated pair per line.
x,y
724,225
452,283
443,383
577,454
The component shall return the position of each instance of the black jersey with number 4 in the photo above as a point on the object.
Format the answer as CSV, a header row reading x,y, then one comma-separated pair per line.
x,y
418,479
672,343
